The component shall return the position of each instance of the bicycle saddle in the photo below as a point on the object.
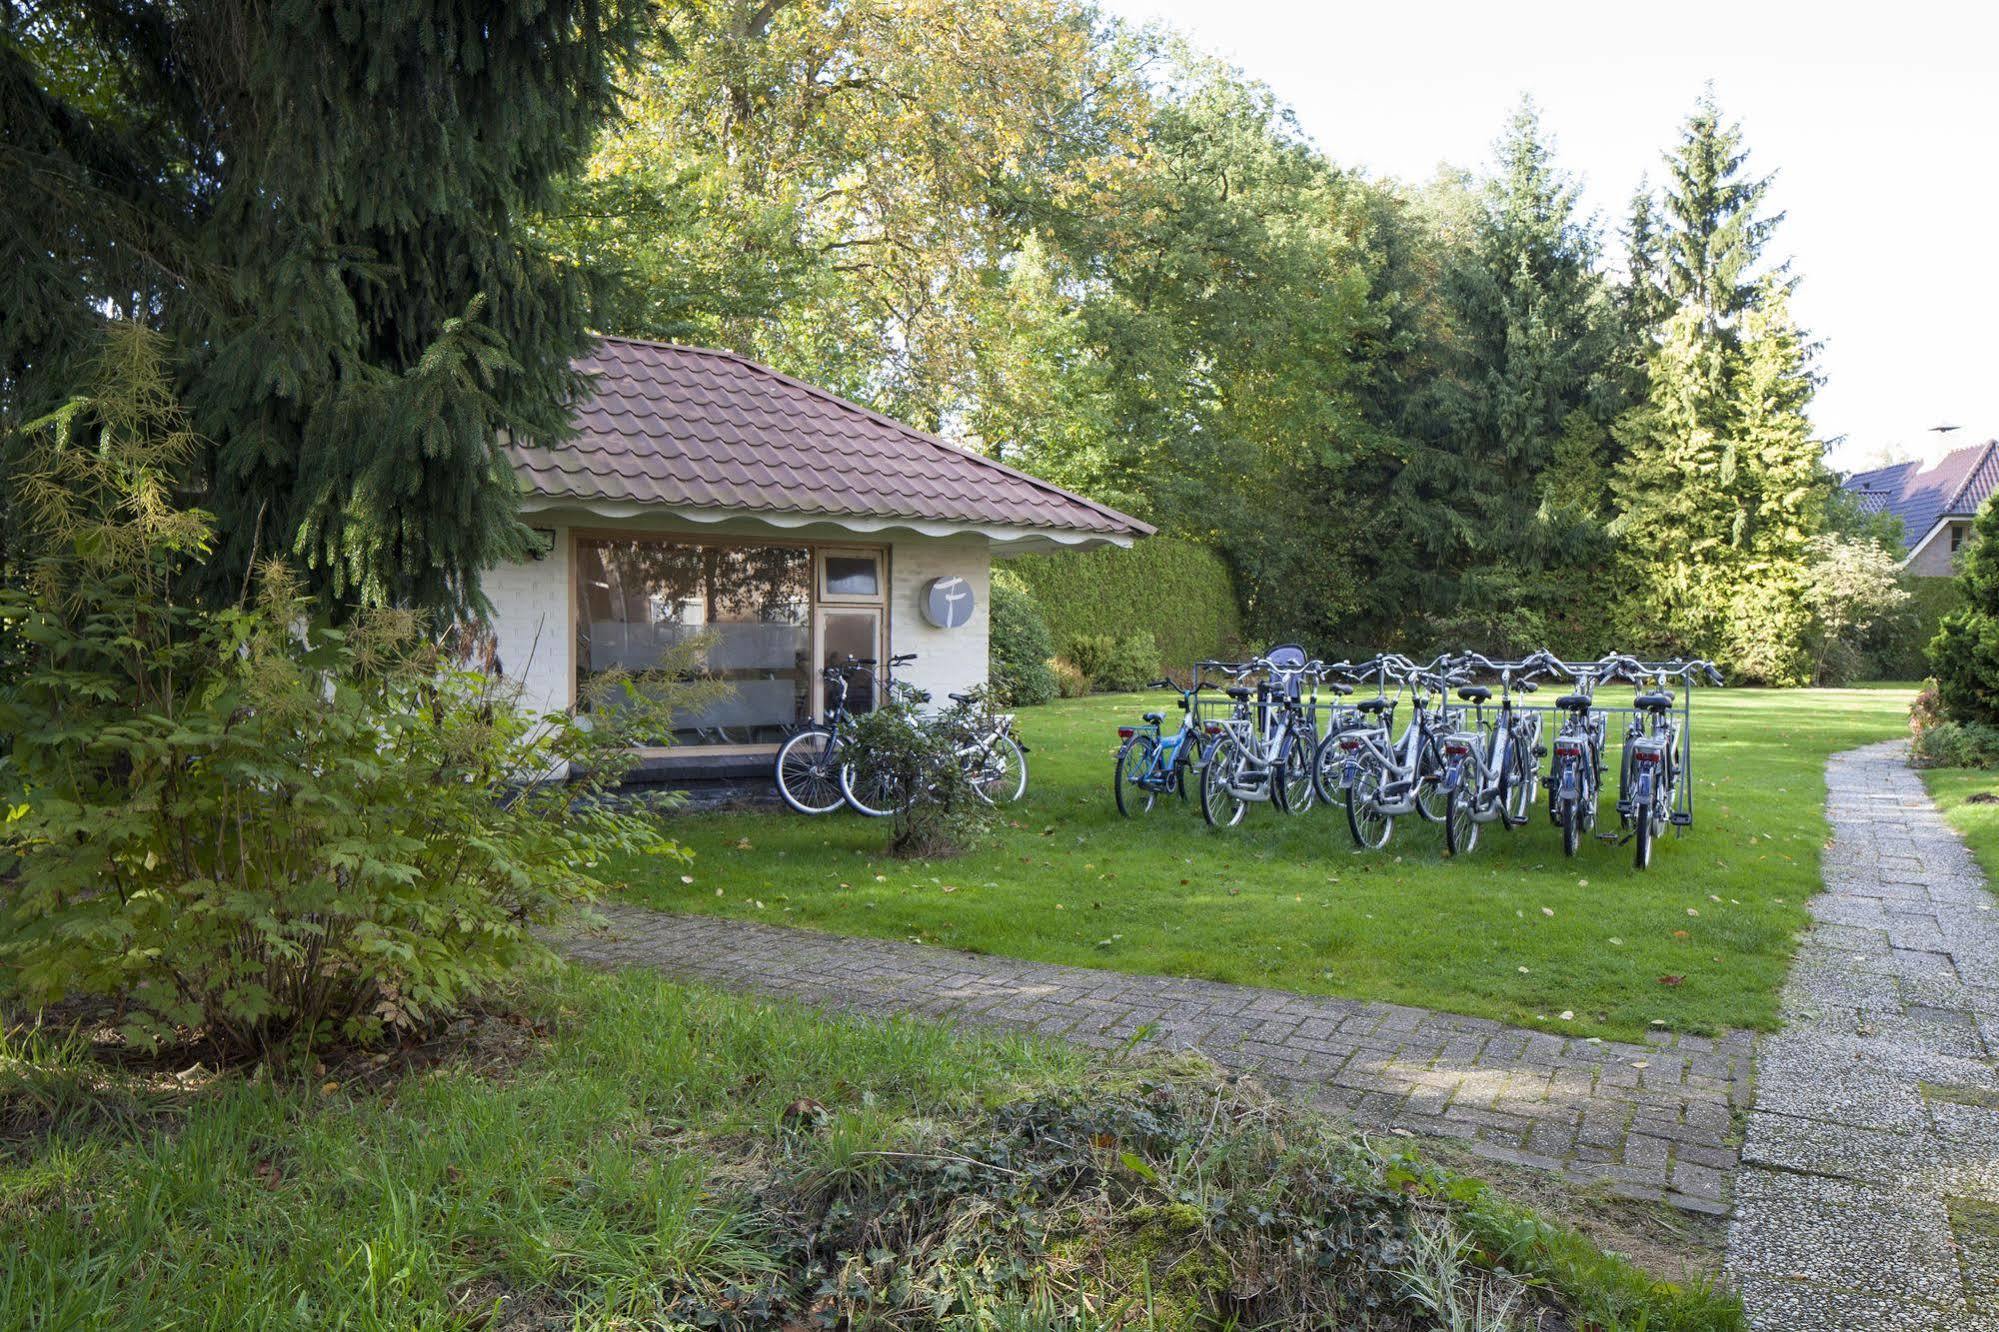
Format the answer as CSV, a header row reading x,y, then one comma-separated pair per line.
x,y
1340,689
1525,686
1474,693
1650,702
959,698
1371,705
1573,702
1156,718
1237,692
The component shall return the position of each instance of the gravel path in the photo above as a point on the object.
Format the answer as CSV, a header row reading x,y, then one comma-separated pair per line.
x,y
1869,1191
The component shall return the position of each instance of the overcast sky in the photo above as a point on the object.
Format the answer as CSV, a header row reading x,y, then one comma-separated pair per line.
x,y
1881,121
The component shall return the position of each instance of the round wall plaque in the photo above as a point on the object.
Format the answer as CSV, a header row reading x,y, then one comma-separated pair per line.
x,y
948,602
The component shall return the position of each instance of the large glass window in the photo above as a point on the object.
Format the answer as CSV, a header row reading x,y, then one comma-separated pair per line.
x,y
638,599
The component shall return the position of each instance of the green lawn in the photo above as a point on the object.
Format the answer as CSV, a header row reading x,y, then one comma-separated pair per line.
x,y
1514,931
1954,790
613,1152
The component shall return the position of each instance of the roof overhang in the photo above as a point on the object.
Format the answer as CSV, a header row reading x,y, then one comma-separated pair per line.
x,y
1004,540
1939,528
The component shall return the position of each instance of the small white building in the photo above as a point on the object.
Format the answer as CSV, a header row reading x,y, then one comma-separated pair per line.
x,y
705,494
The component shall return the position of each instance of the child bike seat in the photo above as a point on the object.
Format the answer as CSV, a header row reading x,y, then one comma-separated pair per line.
x,y
1474,693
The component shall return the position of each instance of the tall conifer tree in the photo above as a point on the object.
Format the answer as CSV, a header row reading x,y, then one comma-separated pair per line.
x,y
1714,233
321,205
1533,335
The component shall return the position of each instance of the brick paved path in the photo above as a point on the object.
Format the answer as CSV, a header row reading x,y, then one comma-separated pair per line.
x,y
1654,1120
1871,1165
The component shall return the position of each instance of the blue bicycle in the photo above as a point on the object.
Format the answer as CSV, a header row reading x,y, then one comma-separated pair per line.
x,y
1151,763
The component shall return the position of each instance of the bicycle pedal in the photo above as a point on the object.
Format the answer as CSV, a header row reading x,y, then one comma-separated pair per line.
x,y
1680,820
1540,751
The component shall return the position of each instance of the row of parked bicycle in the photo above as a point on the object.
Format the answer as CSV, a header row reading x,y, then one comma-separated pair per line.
x,y
820,770
1266,737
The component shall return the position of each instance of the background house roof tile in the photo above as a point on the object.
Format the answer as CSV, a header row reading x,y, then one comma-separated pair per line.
x,y
690,427
1954,486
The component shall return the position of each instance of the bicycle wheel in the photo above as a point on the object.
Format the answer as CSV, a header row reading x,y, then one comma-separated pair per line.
x,y
875,794
1432,801
1294,784
1327,765
1134,760
807,776
1572,827
1517,781
1000,777
1460,828
1220,805
1370,827
1641,837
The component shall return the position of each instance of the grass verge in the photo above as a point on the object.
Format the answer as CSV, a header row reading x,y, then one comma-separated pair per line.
x,y
1513,931
1969,799
615,1151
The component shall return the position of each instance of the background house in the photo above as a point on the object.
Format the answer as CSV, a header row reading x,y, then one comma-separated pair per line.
x,y
705,494
1935,498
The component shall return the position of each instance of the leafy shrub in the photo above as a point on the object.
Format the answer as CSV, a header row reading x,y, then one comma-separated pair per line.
x,y
1116,663
1950,744
1091,655
1182,591
244,822
907,763
1070,682
1896,646
1964,656
1019,647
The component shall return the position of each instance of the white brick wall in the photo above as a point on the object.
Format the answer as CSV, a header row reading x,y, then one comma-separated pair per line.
x,y
537,642
947,660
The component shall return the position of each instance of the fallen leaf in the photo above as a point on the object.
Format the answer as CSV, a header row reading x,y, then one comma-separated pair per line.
x,y
1692,911
1672,980
1616,942
1547,911
687,878
1568,1015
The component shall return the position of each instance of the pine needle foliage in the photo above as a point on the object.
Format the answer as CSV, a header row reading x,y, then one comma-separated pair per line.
x,y
321,206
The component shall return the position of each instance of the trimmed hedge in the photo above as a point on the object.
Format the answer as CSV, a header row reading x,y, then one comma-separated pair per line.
x,y
1898,647
1179,591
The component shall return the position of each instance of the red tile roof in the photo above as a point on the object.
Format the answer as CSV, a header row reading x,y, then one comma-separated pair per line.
x,y
1954,486
689,427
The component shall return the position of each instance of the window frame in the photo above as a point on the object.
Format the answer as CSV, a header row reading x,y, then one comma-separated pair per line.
x,y
821,596
815,551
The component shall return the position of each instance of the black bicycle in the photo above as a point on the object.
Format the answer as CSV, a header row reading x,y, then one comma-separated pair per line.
x,y
809,763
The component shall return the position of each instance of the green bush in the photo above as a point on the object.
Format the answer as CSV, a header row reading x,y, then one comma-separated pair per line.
x,y
1070,682
1950,744
1091,655
1897,646
1182,592
243,824
1115,664
1019,647
907,764
1964,656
